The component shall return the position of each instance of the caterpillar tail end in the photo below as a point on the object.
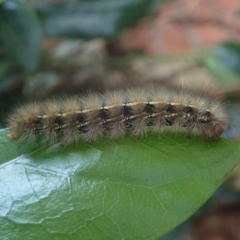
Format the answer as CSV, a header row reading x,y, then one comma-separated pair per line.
x,y
12,135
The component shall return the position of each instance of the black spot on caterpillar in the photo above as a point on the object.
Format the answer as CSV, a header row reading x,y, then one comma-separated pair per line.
x,y
138,110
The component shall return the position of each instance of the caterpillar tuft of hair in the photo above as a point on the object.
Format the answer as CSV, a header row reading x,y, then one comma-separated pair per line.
x,y
112,114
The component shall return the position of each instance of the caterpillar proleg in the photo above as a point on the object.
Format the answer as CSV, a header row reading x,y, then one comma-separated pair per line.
x,y
112,114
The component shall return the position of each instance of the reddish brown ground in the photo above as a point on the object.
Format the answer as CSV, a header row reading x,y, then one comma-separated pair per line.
x,y
182,25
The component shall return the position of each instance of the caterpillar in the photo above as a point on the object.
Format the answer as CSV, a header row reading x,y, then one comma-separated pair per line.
x,y
112,114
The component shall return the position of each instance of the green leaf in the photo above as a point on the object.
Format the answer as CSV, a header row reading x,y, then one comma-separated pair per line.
x,y
124,189
229,55
21,33
89,19
154,6
224,75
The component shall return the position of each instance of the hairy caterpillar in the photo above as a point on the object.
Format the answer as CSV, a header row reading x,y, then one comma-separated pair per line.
x,y
138,110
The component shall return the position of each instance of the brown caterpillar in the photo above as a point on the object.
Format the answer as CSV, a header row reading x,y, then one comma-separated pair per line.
x,y
138,110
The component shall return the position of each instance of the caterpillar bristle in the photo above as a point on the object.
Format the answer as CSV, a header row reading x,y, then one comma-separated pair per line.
x,y
90,117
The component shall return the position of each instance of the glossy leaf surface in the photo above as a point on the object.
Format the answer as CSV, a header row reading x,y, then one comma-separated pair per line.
x,y
124,189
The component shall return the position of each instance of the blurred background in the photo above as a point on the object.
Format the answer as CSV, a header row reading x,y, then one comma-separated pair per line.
x,y
57,48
